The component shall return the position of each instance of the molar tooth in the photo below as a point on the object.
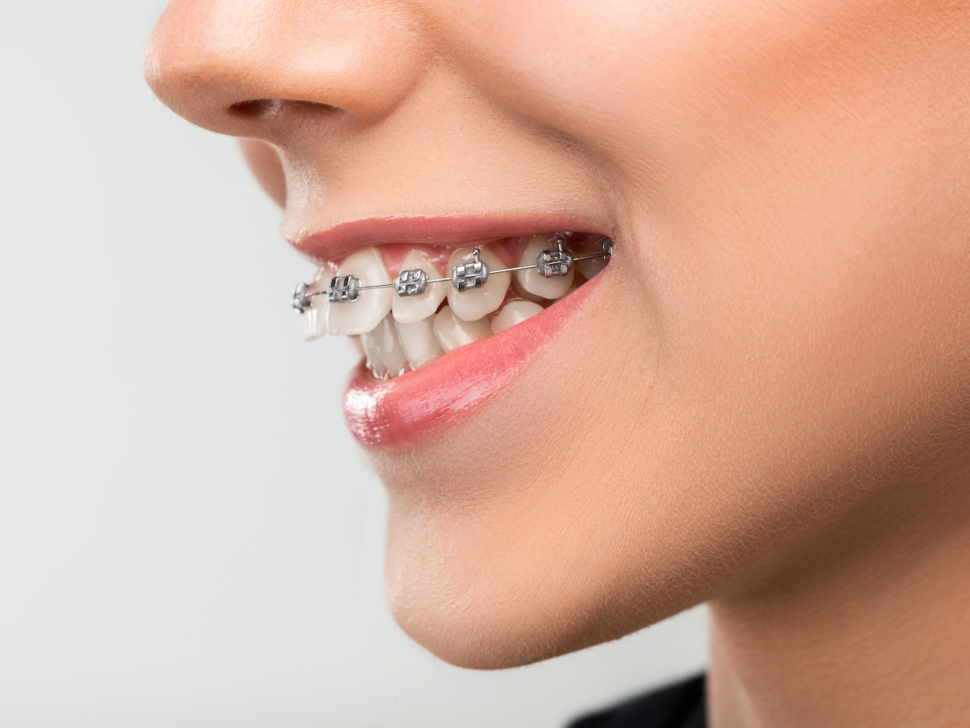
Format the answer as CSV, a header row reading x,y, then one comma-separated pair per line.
x,y
384,351
514,312
364,314
316,315
531,283
589,268
472,305
419,342
412,309
453,332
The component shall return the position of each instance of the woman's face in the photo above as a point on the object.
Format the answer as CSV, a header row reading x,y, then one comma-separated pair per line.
x,y
779,345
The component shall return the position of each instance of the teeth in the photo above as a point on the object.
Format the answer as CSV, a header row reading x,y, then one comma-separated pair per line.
x,y
589,268
453,332
398,333
384,352
363,315
316,315
419,342
514,312
412,309
374,360
472,305
530,282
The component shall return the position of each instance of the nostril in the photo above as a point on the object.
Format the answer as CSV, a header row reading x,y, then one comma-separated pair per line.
x,y
273,120
256,107
266,108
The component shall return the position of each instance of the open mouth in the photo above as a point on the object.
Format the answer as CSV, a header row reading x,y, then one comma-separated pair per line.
x,y
408,306
442,328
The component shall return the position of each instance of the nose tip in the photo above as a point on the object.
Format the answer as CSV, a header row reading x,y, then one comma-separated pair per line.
x,y
238,66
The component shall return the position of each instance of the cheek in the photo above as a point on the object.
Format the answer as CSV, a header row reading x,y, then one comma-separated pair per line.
x,y
788,332
659,89
791,176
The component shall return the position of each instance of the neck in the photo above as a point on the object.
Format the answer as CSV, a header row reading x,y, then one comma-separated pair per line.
x,y
871,629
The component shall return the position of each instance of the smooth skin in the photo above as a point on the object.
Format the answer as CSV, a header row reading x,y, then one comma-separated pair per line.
x,y
768,405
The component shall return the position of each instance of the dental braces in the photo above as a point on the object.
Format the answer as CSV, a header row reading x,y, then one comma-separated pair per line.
x,y
551,263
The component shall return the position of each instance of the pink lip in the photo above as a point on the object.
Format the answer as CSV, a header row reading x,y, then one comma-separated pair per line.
x,y
397,412
343,238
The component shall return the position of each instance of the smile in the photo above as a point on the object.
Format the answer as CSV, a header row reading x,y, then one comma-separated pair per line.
x,y
476,313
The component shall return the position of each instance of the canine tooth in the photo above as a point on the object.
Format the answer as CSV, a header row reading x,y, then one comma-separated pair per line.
x,y
419,342
514,312
530,282
316,315
364,314
412,309
589,268
453,332
472,305
384,352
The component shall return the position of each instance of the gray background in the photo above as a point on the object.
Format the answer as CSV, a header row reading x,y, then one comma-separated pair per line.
x,y
188,536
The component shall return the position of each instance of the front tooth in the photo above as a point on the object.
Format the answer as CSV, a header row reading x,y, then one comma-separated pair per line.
x,y
316,315
419,342
374,360
514,312
412,309
384,352
370,309
453,332
530,282
589,268
472,305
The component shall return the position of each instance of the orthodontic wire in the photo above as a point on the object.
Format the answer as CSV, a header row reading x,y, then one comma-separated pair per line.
x,y
557,261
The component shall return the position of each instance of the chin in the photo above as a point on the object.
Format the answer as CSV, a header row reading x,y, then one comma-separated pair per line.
x,y
492,573
485,595
484,615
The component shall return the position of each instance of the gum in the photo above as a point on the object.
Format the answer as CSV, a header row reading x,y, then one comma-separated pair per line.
x,y
509,250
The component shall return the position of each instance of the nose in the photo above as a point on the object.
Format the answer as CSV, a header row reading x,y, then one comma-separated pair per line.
x,y
253,68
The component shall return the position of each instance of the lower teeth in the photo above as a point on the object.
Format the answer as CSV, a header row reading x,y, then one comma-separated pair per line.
x,y
405,324
421,346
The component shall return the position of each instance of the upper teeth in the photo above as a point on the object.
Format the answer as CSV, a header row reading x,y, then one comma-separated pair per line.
x,y
368,310
407,328
479,283
533,280
309,299
410,307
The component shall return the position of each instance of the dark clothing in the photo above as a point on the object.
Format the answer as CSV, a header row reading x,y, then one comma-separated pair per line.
x,y
681,705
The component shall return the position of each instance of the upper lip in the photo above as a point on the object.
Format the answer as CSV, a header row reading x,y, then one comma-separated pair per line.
x,y
343,238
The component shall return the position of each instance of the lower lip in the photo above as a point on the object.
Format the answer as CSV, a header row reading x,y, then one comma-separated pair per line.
x,y
395,413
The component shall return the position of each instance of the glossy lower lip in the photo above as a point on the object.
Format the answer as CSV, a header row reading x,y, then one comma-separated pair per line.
x,y
395,413
343,238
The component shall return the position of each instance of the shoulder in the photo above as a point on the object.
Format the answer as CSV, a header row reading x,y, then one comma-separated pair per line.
x,y
680,705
